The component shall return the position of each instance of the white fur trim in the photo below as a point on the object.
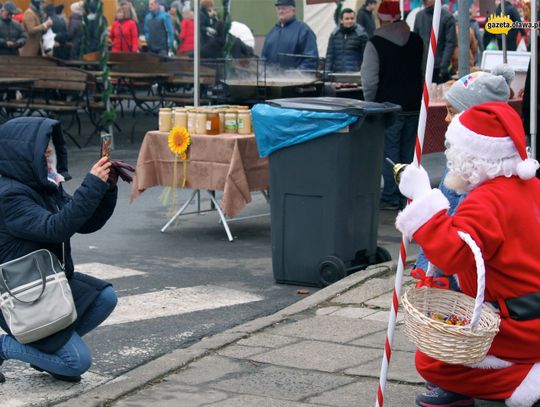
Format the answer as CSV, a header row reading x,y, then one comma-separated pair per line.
x,y
486,147
420,211
526,169
491,362
528,392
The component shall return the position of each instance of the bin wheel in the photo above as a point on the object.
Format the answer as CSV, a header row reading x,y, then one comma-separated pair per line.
x,y
382,255
331,269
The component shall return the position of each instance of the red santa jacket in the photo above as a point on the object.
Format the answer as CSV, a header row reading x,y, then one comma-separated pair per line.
x,y
503,217
124,36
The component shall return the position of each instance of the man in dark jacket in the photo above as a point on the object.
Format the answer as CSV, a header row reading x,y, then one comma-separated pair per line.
x,y
446,41
346,45
392,72
365,17
36,213
291,44
158,29
12,35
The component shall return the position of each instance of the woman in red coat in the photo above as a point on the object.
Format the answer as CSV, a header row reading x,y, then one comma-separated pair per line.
x,y
124,34
187,36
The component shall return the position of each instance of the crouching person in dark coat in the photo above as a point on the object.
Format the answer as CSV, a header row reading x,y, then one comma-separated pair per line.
x,y
36,213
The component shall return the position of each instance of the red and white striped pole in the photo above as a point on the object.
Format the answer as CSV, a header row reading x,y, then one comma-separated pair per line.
x,y
404,242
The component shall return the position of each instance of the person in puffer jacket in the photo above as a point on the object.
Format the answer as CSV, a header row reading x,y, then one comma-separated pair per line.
x,y
346,45
37,213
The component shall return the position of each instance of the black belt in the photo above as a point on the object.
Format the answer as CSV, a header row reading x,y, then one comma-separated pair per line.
x,y
521,308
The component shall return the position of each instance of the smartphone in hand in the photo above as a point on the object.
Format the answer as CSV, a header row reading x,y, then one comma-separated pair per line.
x,y
106,145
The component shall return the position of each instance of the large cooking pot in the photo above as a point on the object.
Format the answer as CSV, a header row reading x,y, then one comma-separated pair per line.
x,y
271,89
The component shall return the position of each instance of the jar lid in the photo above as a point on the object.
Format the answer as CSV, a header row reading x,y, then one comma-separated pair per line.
x,y
165,109
180,109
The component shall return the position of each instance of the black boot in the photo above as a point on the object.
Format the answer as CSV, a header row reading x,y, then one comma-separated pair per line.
x,y
70,379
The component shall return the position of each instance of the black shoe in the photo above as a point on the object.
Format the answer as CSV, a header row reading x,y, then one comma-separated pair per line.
x,y
70,379
437,397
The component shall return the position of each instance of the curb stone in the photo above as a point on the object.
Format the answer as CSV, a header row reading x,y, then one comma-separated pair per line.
x,y
156,369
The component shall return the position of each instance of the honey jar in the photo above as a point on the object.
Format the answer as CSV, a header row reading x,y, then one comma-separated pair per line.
x,y
180,117
221,114
191,120
212,122
165,119
244,122
230,124
200,122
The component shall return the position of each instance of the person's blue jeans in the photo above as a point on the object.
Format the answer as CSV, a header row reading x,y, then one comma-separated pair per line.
x,y
399,141
74,358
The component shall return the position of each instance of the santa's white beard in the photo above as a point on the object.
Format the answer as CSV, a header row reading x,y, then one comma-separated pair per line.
x,y
456,183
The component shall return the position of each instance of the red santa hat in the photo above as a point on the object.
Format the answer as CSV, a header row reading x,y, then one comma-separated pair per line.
x,y
389,11
492,131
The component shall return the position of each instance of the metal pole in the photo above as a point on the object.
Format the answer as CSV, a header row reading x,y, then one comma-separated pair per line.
x,y
503,38
464,40
196,54
392,317
534,79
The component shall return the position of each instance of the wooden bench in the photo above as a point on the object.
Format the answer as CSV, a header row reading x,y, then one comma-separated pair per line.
x,y
55,89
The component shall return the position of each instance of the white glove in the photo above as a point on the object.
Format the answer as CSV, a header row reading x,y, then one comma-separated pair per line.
x,y
414,182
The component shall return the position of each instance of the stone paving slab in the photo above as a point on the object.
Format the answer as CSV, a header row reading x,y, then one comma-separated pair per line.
x,y
377,340
241,352
362,393
354,312
267,340
251,401
317,355
210,369
170,393
401,368
328,328
370,289
280,382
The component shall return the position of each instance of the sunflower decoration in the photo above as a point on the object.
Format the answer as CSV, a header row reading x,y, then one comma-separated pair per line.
x,y
179,141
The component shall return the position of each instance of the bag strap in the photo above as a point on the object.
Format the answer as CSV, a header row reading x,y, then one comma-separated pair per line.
x,y
43,284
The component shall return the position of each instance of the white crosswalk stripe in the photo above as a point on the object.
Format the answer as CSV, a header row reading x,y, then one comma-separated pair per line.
x,y
177,301
106,271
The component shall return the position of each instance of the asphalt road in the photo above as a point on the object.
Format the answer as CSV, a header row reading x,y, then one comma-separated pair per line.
x,y
193,253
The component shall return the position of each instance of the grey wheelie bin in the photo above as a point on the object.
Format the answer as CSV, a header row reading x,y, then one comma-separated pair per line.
x,y
325,160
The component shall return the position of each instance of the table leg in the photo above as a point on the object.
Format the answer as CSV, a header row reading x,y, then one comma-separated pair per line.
x,y
221,215
180,211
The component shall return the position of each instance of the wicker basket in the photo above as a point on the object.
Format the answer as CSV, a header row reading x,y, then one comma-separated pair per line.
x,y
454,344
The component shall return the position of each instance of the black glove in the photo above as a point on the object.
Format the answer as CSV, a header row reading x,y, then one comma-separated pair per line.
x,y
119,169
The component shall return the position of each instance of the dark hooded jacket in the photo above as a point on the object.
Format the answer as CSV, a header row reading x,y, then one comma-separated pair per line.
x,y
446,40
346,49
38,214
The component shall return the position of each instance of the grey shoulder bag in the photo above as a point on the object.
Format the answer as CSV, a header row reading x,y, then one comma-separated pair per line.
x,y
35,297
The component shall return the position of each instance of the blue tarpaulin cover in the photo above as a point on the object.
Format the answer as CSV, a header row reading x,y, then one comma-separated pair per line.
x,y
277,128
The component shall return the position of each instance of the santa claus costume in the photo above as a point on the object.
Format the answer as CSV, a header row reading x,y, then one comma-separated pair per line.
x,y
487,158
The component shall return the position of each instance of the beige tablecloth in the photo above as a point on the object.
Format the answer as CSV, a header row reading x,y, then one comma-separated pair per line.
x,y
226,162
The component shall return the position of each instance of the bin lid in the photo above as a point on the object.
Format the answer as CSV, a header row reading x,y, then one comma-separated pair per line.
x,y
353,107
